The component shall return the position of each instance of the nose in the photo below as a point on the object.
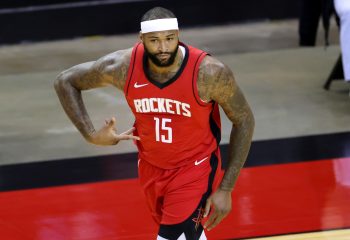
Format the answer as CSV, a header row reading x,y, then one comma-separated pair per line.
x,y
163,46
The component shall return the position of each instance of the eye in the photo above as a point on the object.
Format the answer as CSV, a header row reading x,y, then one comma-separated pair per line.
x,y
153,40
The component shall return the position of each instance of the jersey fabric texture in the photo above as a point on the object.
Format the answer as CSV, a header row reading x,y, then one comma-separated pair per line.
x,y
175,126
178,196
179,158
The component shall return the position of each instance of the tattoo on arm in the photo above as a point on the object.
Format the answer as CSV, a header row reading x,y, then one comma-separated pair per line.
x,y
74,107
240,138
216,82
109,70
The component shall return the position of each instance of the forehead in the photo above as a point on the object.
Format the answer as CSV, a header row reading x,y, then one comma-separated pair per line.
x,y
160,34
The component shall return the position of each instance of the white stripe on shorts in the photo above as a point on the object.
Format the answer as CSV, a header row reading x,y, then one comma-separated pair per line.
x,y
182,237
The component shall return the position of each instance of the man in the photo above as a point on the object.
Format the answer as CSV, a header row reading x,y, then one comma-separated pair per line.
x,y
174,91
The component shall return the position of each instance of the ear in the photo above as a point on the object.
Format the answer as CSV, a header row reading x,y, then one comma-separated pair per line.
x,y
178,34
141,37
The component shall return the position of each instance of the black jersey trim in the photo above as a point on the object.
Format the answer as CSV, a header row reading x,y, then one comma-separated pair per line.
x,y
215,129
171,80
214,162
203,104
134,55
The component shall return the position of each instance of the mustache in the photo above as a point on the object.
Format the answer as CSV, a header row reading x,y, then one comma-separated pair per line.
x,y
163,53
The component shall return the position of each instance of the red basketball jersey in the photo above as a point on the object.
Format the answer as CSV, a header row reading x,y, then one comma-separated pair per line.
x,y
175,126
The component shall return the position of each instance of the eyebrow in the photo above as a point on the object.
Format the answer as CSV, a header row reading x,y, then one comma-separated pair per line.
x,y
169,35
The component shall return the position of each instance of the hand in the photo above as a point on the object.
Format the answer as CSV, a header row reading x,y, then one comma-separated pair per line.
x,y
222,204
107,135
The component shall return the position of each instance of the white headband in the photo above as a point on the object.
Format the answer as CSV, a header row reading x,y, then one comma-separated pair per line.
x,y
157,25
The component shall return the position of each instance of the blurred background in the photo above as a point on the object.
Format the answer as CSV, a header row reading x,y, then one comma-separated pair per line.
x,y
52,20
259,40
286,58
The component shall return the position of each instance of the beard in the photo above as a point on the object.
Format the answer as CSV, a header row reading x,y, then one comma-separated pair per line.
x,y
162,63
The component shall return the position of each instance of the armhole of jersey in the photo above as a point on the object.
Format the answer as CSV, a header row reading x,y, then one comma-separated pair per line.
x,y
194,80
215,123
131,68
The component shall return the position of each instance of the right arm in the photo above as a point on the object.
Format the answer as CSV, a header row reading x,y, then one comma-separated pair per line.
x,y
108,70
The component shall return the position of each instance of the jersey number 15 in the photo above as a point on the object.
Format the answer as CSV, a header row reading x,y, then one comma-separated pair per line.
x,y
167,136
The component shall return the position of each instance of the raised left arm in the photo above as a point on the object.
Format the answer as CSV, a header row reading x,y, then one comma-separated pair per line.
x,y
217,83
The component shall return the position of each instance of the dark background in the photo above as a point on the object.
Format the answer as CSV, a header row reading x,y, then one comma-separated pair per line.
x,y
24,20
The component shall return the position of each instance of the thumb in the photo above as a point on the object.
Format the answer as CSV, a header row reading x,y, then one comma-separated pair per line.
x,y
207,207
112,122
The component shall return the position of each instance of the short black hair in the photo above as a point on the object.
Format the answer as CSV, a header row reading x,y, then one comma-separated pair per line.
x,y
157,13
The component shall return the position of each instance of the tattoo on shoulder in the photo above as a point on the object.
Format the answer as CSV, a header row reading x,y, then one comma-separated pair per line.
x,y
109,70
215,81
116,68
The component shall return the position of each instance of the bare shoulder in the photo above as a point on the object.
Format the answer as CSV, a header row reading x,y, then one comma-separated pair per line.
x,y
212,63
114,67
110,69
215,80
115,58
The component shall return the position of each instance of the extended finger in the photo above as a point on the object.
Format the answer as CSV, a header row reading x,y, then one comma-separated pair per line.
x,y
127,137
211,219
207,207
130,133
217,220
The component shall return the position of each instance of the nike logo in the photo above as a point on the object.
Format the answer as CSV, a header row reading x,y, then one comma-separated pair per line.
x,y
140,85
200,161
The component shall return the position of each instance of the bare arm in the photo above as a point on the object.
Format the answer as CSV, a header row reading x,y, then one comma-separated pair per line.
x,y
216,83
108,70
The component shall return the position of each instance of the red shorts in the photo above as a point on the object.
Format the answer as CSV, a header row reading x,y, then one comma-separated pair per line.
x,y
174,194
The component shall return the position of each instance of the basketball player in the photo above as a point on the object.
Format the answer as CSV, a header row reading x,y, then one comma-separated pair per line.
x,y
174,91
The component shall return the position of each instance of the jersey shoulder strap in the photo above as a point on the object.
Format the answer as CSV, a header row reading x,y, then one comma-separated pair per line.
x,y
197,58
136,56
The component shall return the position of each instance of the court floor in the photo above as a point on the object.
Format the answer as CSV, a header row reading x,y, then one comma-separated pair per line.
x,y
268,200
295,183
333,234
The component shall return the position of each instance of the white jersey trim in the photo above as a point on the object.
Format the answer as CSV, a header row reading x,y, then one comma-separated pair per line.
x,y
182,237
183,50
